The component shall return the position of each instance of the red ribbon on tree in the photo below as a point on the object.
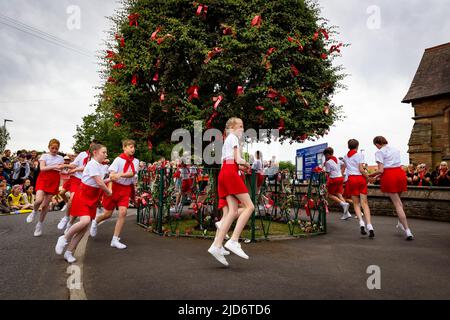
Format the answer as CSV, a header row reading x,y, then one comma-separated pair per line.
x,y
265,59
212,53
119,66
322,31
110,55
300,46
335,48
260,108
154,34
324,56
217,100
202,8
121,39
162,97
156,77
117,115
149,143
283,99
134,19
294,71
272,94
134,80
239,90
256,21
209,122
193,92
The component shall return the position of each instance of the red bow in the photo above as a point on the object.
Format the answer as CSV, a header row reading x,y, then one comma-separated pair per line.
x,y
128,164
153,37
193,92
294,70
212,53
134,80
336,48
122,40
201,8
256,21
217,101
133,19
300,46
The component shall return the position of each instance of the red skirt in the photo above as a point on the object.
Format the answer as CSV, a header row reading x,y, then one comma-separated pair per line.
x,y
335,185
356,185
259,179
66,185
74,184
48,181
85,201
393,180
120,197
229,181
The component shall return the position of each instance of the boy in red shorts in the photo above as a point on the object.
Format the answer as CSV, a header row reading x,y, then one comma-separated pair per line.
x,y
123,172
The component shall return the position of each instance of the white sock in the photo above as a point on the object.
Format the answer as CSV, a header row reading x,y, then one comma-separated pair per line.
x,y
369,227
343,204
115,238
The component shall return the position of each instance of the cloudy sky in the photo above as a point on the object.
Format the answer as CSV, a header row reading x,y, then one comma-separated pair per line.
x,y
46,89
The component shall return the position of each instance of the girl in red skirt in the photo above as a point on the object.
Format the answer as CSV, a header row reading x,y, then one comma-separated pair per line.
x,y
72,186
393,179
335,181
233,189
357,186
47,184
85,202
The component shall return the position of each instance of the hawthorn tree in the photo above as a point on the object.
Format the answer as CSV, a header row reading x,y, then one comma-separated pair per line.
x,y
169,63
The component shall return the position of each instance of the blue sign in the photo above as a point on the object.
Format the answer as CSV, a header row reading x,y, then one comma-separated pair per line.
x,y
309,158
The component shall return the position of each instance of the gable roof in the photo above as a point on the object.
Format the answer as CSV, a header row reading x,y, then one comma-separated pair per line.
x,y
433,75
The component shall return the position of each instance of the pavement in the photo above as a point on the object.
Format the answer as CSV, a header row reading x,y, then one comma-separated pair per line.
x,y
332,266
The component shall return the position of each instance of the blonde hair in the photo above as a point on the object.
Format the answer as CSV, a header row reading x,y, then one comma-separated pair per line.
x,y
54,141
128,142
231,123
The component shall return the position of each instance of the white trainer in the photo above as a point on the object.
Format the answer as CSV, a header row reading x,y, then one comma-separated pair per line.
x,y
38,230
93,230
224,252
217,253
63,209
31,216
346,216
235,247
68,256
218,224
409,235
400,227
346,206
60,245
62,224
115,243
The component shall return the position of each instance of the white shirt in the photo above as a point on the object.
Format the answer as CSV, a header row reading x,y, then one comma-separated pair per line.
x,y
231,142
51,160
352,164
79,162
257,165
93,169
389,157
118,165
333,168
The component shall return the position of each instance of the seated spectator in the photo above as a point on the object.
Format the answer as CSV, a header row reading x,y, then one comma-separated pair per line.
x,y
410,171
21,169
29,196
6,155
4,207
16,199
7,171
443,175
3,187
57,203
26,184
422,177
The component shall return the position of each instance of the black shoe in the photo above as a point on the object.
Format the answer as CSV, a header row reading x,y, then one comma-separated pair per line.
x,y
363,231
409,238
371,234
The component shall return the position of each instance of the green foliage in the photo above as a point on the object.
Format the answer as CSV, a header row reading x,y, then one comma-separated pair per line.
x,y
257,58
287,165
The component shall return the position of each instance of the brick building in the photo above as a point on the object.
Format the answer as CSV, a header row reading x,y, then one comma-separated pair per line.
x,y
429,95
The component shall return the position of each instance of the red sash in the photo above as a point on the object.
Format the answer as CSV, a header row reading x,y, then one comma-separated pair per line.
x,y
129,163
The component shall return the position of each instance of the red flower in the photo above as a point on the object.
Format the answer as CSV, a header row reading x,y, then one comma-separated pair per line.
x,y
256,21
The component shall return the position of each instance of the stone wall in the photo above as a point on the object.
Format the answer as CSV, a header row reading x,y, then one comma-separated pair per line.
x,y
430,137
432,203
